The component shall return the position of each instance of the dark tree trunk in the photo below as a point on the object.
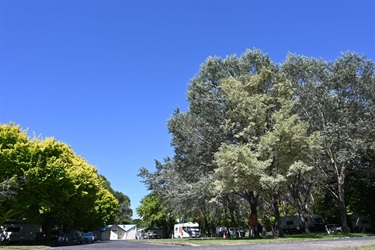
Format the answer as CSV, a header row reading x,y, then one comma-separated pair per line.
x,y
341,201
47,227
232,217
305,222
252,198
276,210
208,228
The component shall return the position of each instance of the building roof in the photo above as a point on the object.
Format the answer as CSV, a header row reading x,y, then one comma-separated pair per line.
x,y
125,227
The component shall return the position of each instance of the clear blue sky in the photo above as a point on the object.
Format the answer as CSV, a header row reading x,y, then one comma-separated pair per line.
x,y
104,76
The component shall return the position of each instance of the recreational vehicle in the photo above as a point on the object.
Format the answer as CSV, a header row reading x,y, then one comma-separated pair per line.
x,y
22,230
361,223
293,224
186,230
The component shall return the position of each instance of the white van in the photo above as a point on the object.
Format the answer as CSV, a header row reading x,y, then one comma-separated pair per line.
x,y
186,230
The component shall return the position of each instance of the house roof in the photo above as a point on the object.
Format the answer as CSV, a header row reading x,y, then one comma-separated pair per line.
x,y
124,227
127,227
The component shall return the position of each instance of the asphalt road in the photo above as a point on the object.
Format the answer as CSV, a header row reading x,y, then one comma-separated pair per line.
x,y
313,244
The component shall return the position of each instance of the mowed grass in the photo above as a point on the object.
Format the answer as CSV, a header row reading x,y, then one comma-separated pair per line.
x,y
19,247
212,241
205,241
372,247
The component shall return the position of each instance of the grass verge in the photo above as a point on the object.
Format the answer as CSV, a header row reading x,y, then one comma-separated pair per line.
x,y
19,247
372,247
220,241
260,240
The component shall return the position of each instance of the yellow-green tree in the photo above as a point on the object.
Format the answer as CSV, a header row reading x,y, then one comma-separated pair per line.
x,y
14,157
60,189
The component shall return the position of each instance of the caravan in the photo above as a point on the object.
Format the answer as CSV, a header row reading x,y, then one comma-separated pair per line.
x,y
293,224
361,224
187,230
22,230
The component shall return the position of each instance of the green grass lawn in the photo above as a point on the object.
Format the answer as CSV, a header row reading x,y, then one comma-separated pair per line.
x,y
363,248
15,247
234,241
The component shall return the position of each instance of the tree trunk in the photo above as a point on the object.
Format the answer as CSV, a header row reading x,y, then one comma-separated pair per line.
x,y
341,201
254,213
252,198
47,227
276,210
208,228
305,223
232,217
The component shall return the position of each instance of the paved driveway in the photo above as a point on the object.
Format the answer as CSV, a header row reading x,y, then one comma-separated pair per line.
x,y
311,245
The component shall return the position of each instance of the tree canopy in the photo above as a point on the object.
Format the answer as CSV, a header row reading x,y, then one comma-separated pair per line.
x,y
55,187
278,136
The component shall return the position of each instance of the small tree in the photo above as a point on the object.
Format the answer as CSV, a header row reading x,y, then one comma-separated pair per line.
x,y
153,213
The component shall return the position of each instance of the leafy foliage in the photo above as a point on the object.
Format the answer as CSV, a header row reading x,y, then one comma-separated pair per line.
x,y
153,213
337,98
59,189
281,136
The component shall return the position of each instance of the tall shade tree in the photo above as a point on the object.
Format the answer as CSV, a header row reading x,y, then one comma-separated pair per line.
x,y
198,133
243,112
270,144
59,189
337,99
63,190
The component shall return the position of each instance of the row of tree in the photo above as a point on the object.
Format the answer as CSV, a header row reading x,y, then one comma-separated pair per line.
x,y
45,182
261,140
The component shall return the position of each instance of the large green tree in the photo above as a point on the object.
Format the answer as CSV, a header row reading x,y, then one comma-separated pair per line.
x,y
63,190
271,144
265,124
198,133
337,99
58,189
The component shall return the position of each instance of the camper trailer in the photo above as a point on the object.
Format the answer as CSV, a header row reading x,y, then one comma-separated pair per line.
x,y
361,223
22,230
149,233
293,224
186,230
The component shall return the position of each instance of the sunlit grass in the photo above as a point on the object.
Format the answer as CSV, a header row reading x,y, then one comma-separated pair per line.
x,y
372,247
264,240
205,241
15,247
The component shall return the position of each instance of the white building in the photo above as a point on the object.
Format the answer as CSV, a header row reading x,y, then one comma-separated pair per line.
x,y
118,232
